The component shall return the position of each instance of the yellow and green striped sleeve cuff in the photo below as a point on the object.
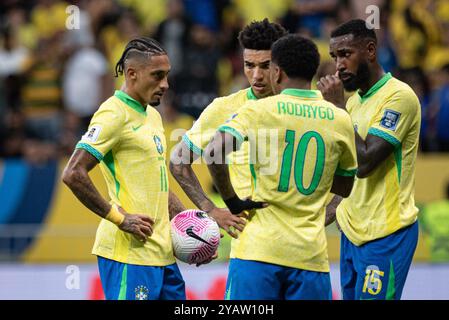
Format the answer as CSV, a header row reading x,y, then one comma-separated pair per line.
x,y
90,149
194,148
382,134
345,173
233,132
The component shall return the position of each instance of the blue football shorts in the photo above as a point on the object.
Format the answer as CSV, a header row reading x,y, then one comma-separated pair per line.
x,y
123,281
254,280
377,269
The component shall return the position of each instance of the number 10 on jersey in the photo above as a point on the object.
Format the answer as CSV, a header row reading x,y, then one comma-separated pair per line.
x,y
299,161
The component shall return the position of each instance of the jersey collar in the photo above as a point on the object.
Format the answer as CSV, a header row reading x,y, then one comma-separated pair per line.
x,y
375,87
250,94
133,103
302,93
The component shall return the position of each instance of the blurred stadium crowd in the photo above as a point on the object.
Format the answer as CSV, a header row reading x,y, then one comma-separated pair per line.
x,y
53,79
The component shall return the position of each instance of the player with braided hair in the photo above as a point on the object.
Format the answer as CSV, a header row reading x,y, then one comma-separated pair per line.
x,y
126,137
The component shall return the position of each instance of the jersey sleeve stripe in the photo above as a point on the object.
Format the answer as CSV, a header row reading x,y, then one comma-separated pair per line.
x,y
382,134
233,132
253,174
345,173
90,149
195,149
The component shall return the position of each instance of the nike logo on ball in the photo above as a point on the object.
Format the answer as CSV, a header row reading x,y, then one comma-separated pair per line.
x,y
193,235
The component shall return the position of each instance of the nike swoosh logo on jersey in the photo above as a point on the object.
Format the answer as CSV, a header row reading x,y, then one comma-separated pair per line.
x,y
136,128
193,235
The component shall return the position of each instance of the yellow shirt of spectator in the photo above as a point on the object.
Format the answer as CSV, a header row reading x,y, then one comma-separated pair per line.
x,y
384,202
215,114
128,140
298,142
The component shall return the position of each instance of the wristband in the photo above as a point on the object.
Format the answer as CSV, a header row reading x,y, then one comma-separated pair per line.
x,y
234,204
115,216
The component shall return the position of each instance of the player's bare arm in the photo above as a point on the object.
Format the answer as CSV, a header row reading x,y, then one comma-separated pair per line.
x,y
370,153
181,168
175,206
221,145
76,177
331,210
215,154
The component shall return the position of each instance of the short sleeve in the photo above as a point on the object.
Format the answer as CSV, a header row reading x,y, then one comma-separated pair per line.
x,y
347,166
394,119
239,123
202,131
104,131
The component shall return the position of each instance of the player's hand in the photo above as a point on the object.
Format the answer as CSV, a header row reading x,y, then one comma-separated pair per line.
x,y
238,206
215,256
227,221
332,89
139,225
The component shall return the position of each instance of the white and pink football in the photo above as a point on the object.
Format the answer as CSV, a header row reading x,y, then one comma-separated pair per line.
x,y
195,236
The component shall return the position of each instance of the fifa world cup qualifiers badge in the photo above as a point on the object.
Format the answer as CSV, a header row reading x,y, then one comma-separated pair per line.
x,y
390,119
92,134
141,293
158,143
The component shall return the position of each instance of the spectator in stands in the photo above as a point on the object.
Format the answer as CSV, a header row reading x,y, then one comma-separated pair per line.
x,y
197,83
173,34
417,79
12,59
41,92
385,50
87,81
206,12
309,15
414,31
12,134
442,117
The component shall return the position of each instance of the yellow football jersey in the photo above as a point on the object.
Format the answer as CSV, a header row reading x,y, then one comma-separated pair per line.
x,y
128,140
215,114
298,142
384,202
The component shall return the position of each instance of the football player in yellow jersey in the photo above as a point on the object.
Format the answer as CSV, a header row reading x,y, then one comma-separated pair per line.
x,y
256,40
310,144
126,137
379,220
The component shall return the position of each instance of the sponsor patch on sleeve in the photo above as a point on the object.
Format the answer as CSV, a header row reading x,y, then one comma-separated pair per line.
x,y
92,134
390,119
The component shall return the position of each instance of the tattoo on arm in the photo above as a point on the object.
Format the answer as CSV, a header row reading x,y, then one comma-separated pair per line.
x,y
182,171
222,180
221,144
175,205
76,177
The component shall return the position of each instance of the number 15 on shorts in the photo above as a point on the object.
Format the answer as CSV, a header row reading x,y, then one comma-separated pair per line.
x,y
373,281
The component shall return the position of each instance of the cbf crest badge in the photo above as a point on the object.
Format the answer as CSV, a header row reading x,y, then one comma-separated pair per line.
x,y
159,146
141,293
